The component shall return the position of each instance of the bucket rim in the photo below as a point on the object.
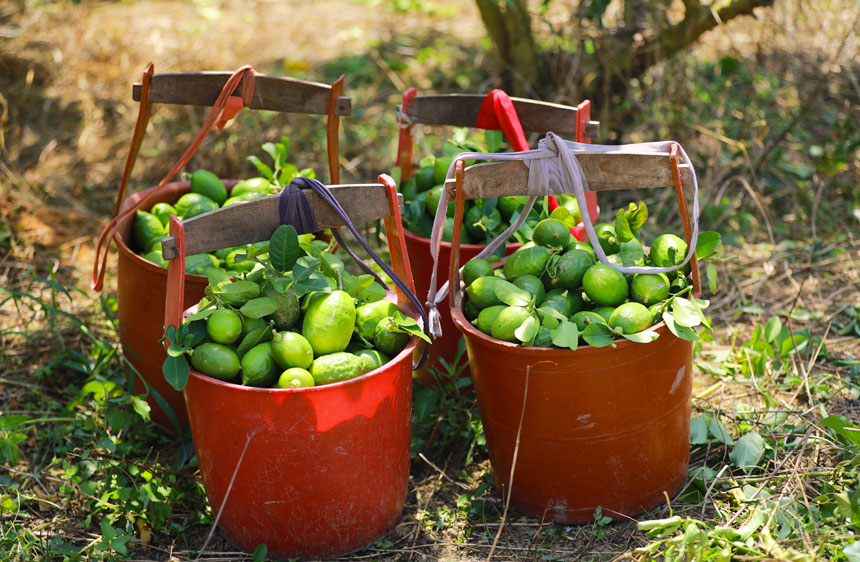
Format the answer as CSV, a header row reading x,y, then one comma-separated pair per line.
x,y
447,245
467,329
405,354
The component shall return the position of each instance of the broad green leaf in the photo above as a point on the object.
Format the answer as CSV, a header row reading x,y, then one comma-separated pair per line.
x,y
699,430
201,314
708,245
719,432
409,325
564,215
686,313
304,267
259,307
176,370
191,334
315,282
284,248
566,334
598,335
711,273
843,427
852,551
510,294
773,328
288,173
372,293
264,170
270,149
747,451
645,336
238,290
176,350
254,337
637,215
141,407
260,553
396,174
494,140
623,232
216,276
680,332
527,330
332,266
424,404
285,143
550,317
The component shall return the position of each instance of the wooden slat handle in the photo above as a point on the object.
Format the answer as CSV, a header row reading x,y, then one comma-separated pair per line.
x,y
605,171
273,93
461,110
255,220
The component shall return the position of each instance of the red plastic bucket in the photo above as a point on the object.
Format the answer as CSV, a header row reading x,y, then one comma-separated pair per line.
x,y
605,427
141,293
444,347
326,469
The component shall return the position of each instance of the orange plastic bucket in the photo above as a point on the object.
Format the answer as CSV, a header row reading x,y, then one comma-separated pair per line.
x,y
605,427
141,293
326,469
601,427
444,347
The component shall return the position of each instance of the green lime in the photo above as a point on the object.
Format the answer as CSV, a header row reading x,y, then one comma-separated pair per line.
x,y
570,203
551,232
388,338
216,360
571,269
433,197
585,317
247,196
656,311
557,300
605,311
147,230
510,204
528,261
200,264
425,178
507,321
155,257
475,268
604,285
295,377
484,321
631,318
668,250
259,367
206,183
409,190
184,203
376,358
329,322
338,366
224,326
440,168
290,349
163,212
482,291
476,223
606,236
224,252
250,185
288,312
579,245
448,232
367,316
470,310
533,285
251,324
649,288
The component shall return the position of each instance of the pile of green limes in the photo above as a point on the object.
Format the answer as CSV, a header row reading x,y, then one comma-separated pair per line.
x,y
297,321
553,288
207,194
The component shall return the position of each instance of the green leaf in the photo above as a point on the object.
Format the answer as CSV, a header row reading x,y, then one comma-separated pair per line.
x,y
510,294
264,170
773,328
259,307
686,312
550,317
598,335
843,427
711,273
719,432
494,140
284,248
315,282
747,451
254,337
409,325
708,245
680,332
176,371
852,551
699,430
260,553
238,290
424,404
637,215
566,334
564,215
201,314
645,336
623,232
217,276
305,266
527,330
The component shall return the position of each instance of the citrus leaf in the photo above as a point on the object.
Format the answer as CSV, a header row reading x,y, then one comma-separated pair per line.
x,y
773,328
844,428
645,336
636,216
680,332
747,451
409,325
175,371
711,273
708,245
566,334
550,317
304,267
216,276
699,430
201,314
264,170
686,313
527,330
259,307
238,290
254,337
284,248
623,232
176,350
191,334
598,335
510,294
564,215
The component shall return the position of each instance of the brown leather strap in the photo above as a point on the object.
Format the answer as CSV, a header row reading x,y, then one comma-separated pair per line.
x,y
332,130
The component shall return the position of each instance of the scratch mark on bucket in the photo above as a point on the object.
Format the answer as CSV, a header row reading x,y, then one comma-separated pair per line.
x,y
678,378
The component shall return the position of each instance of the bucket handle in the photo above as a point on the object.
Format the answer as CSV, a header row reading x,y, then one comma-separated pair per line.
x,y
223,109
455,296
400,271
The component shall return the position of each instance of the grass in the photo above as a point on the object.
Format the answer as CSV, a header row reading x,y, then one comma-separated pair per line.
x,y
773,474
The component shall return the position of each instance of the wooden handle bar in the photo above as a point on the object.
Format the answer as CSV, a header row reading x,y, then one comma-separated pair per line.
x,y
461,110
255,220
605,171
273,93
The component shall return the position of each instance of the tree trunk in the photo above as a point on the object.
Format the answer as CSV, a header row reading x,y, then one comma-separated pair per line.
x,y
508,24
